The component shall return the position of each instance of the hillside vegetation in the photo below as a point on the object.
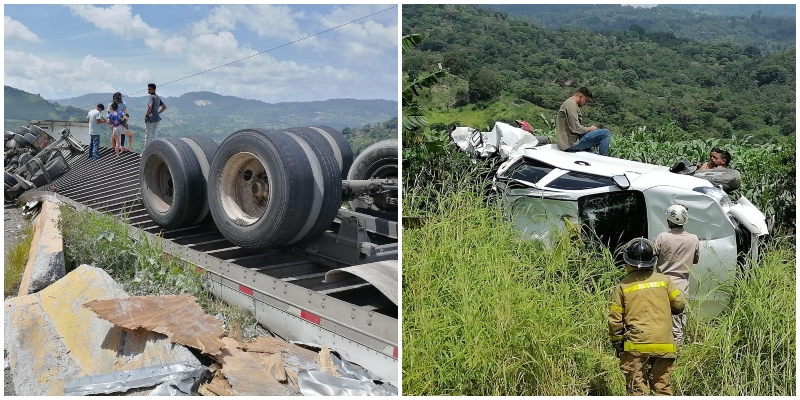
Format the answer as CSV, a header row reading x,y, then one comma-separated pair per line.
x,y
638,77
766,27
363,122
486,313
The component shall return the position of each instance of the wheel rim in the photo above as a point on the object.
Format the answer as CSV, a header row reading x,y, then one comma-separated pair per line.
x,y
158,182
384,171
244,189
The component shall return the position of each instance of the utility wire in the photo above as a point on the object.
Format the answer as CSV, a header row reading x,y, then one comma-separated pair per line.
x,y
92,106
274,48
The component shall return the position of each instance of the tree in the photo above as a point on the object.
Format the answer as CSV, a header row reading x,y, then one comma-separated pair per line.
x,y
484,85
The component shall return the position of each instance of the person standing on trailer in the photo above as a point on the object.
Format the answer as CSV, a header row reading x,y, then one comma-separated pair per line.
x,y
117,98
677,251
640,321
115,119
153,114
96,122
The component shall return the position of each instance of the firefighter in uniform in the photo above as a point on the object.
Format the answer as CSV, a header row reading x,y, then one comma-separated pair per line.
x,y
640,321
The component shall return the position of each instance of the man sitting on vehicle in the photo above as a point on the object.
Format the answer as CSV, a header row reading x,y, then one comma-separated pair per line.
x,y
718,159
572,135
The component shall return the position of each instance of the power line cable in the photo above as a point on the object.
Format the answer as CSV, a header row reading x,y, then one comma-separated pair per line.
x,y
265,51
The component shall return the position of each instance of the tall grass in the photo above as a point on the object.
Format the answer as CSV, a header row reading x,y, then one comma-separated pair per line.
x,y
141,266
485,313
16,260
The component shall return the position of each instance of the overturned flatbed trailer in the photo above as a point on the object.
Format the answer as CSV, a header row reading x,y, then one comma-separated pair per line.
x,y
285,288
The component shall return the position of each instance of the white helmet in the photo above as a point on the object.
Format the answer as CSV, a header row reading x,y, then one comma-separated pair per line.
x,y
677,214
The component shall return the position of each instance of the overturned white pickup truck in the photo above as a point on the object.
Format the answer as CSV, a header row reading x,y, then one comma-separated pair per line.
x,y
616,200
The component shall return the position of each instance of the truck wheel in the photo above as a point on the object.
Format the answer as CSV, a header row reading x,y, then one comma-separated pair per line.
x,y
378,161
9,179
259,188
172,183
327,184
204,149
339,144
728,178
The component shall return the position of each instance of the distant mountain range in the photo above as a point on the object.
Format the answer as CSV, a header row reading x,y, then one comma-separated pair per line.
x,y
204,113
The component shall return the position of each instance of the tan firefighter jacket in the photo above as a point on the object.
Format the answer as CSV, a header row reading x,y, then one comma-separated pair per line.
x,y
641,313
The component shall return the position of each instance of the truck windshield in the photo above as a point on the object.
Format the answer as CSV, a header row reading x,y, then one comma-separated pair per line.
x,y
613,218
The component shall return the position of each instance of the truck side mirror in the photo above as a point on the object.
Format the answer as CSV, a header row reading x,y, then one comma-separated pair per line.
x,y
621,181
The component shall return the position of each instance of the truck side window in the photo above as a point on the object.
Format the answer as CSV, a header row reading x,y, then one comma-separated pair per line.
x,y
578,181
613,218
530,171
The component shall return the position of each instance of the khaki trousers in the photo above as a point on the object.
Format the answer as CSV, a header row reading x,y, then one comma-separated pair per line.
x,y
646,374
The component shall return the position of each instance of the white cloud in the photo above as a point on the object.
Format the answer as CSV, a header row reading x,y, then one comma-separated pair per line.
x,y
365,40
117,18
16,31
56,78
266,20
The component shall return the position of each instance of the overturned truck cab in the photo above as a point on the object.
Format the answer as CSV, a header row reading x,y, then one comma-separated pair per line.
x,y
615,200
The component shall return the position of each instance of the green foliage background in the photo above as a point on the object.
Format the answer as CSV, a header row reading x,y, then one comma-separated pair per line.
x,y
485,313
639,77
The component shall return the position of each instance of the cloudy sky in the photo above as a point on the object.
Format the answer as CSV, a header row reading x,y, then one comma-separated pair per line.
x,y
62,51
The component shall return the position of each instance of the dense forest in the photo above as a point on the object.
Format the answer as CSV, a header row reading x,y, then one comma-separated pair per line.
x,y
763,27
639,77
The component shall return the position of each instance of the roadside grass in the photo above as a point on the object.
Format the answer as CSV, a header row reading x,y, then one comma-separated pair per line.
x,y
750,349
15,261
485,313
140,266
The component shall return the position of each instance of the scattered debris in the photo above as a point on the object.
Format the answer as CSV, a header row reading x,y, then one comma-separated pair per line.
x,y
177,316
274,365
51,339
325,363
374,273
236,332
245,374
218,386
181,375
350,379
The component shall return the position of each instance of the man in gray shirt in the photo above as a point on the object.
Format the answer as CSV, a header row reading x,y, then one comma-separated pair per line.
x,y
153,114
572,135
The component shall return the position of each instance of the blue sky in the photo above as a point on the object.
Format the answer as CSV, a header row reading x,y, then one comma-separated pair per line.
x,y
62,51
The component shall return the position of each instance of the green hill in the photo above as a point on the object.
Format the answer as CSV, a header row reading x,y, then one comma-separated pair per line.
x,y
772,29
363,122
639,77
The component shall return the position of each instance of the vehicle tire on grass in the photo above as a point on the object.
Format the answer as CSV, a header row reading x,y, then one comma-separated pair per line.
x,y
260,187
172,183
378,161
339,144
328,183
204,149
728,178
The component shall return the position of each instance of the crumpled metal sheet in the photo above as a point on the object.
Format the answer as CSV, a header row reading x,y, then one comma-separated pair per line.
x,y
354,381
174,387
318,383
122,381
381,274
504,139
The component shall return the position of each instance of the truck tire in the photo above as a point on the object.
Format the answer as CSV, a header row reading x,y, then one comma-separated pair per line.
x,y
20,139
339,144
172,183
378,161
54,169
9,179
261,182
327,187
729,179
204,149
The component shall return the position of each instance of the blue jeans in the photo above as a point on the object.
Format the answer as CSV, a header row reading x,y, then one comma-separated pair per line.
x,y
599,138
94,147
